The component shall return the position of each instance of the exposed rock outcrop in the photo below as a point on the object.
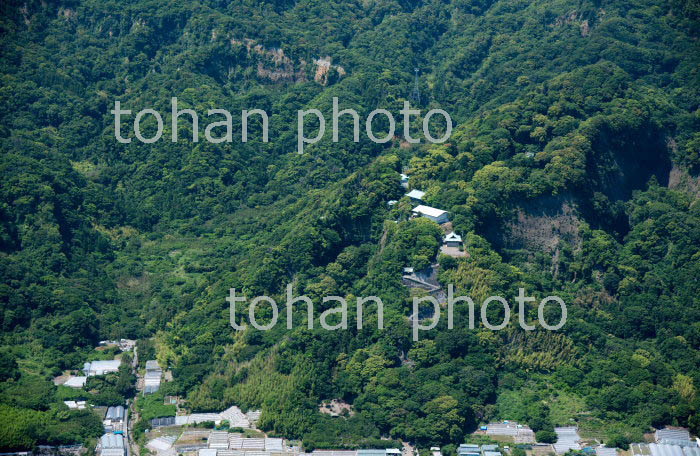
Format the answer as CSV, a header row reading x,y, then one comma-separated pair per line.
x,y
274,65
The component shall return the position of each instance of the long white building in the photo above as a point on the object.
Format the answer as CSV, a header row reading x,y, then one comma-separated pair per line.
x,y
101,367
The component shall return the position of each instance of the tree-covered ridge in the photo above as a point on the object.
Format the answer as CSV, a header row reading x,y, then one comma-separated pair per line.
x,y
579,114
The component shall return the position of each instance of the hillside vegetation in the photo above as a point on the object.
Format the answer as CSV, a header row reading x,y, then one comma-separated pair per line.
x,y
582,115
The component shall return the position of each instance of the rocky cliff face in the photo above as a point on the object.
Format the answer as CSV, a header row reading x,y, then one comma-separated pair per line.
x,y
274,65
541,224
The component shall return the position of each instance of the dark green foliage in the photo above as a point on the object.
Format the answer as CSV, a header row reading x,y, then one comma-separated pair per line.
x,y
151,406
546,436
580,115
618,441
8,366
113,389
146,350
25,427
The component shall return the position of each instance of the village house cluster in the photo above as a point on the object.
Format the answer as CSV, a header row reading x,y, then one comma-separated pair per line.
x,y
233,432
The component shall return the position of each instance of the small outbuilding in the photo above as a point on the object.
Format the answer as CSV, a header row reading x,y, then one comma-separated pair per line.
x,y
452,240
76,405
416,195
115,413
467,449
152,378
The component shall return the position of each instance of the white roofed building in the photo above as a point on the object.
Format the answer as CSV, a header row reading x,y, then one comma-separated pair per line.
x,y
436,215
605,451
452,240
660,449
76,405
114,419
101,367
112,445
518,432
218,440
161,445
673,436
197,418
466,449
235,417
253,444
274,444
416,195
151,381
152,364
567,439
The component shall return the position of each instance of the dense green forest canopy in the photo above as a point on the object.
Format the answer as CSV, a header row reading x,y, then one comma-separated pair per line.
x,y
572,170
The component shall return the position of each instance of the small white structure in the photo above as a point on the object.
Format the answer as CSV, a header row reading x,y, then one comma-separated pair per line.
x,y
151,380
253,416
101,367
467,449
76,405
218,440
75,382
661,449
253,444
332,453
161,444
391,203
567,439
416,195
518,432
114,419
274,444
436,215
605,451
112,445
115,413
196,418
233,415
236,418
404,180
672,436
452,240
207,452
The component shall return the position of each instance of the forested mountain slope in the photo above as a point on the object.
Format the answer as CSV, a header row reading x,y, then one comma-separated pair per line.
x,y
579,115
